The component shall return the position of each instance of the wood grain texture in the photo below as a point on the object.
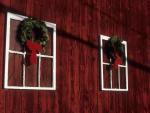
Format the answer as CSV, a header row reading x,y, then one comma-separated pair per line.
x,y
30,98
79,23
13,98
3,5
47,100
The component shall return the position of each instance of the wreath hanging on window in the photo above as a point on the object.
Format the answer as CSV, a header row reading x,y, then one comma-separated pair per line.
x,y
33,34
114,51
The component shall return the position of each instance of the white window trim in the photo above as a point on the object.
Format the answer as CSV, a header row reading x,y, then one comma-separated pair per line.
x,y
7,51
103,37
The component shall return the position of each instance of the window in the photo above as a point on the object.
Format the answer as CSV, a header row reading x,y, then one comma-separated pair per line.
x,y
113,80
41,76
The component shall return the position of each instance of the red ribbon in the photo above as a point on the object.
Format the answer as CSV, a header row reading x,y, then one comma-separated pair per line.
x,y
33,48
117,61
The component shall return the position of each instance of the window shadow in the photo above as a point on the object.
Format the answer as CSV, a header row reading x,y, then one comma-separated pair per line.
x,y
76,38
140,66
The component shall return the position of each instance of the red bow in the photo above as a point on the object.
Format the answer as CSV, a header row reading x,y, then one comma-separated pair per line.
x,y
117,61
32,49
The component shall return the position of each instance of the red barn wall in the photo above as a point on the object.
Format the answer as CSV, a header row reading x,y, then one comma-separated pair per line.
x,y
79,23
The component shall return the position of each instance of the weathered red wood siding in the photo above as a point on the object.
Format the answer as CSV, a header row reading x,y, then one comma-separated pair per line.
x,y
79,23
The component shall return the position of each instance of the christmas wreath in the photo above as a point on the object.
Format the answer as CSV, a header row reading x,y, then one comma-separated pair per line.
x,y
33,34
114,51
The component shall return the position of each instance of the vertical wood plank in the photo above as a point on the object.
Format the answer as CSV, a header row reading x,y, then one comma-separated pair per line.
x,y
73,20
88,59
13,98
48,99
30,98
63,83
3,5
30,101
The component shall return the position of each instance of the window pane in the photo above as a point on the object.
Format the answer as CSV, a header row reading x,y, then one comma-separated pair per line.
x,y
15,70
122,77
31,76
105,59
115,83
106,75
49,45
46,72
14,42
123,63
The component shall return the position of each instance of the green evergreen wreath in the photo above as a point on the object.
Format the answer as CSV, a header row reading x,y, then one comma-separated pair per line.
x,y
114,47
30,27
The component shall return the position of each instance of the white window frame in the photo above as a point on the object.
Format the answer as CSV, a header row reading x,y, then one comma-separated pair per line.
x,y
7,51
103,37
